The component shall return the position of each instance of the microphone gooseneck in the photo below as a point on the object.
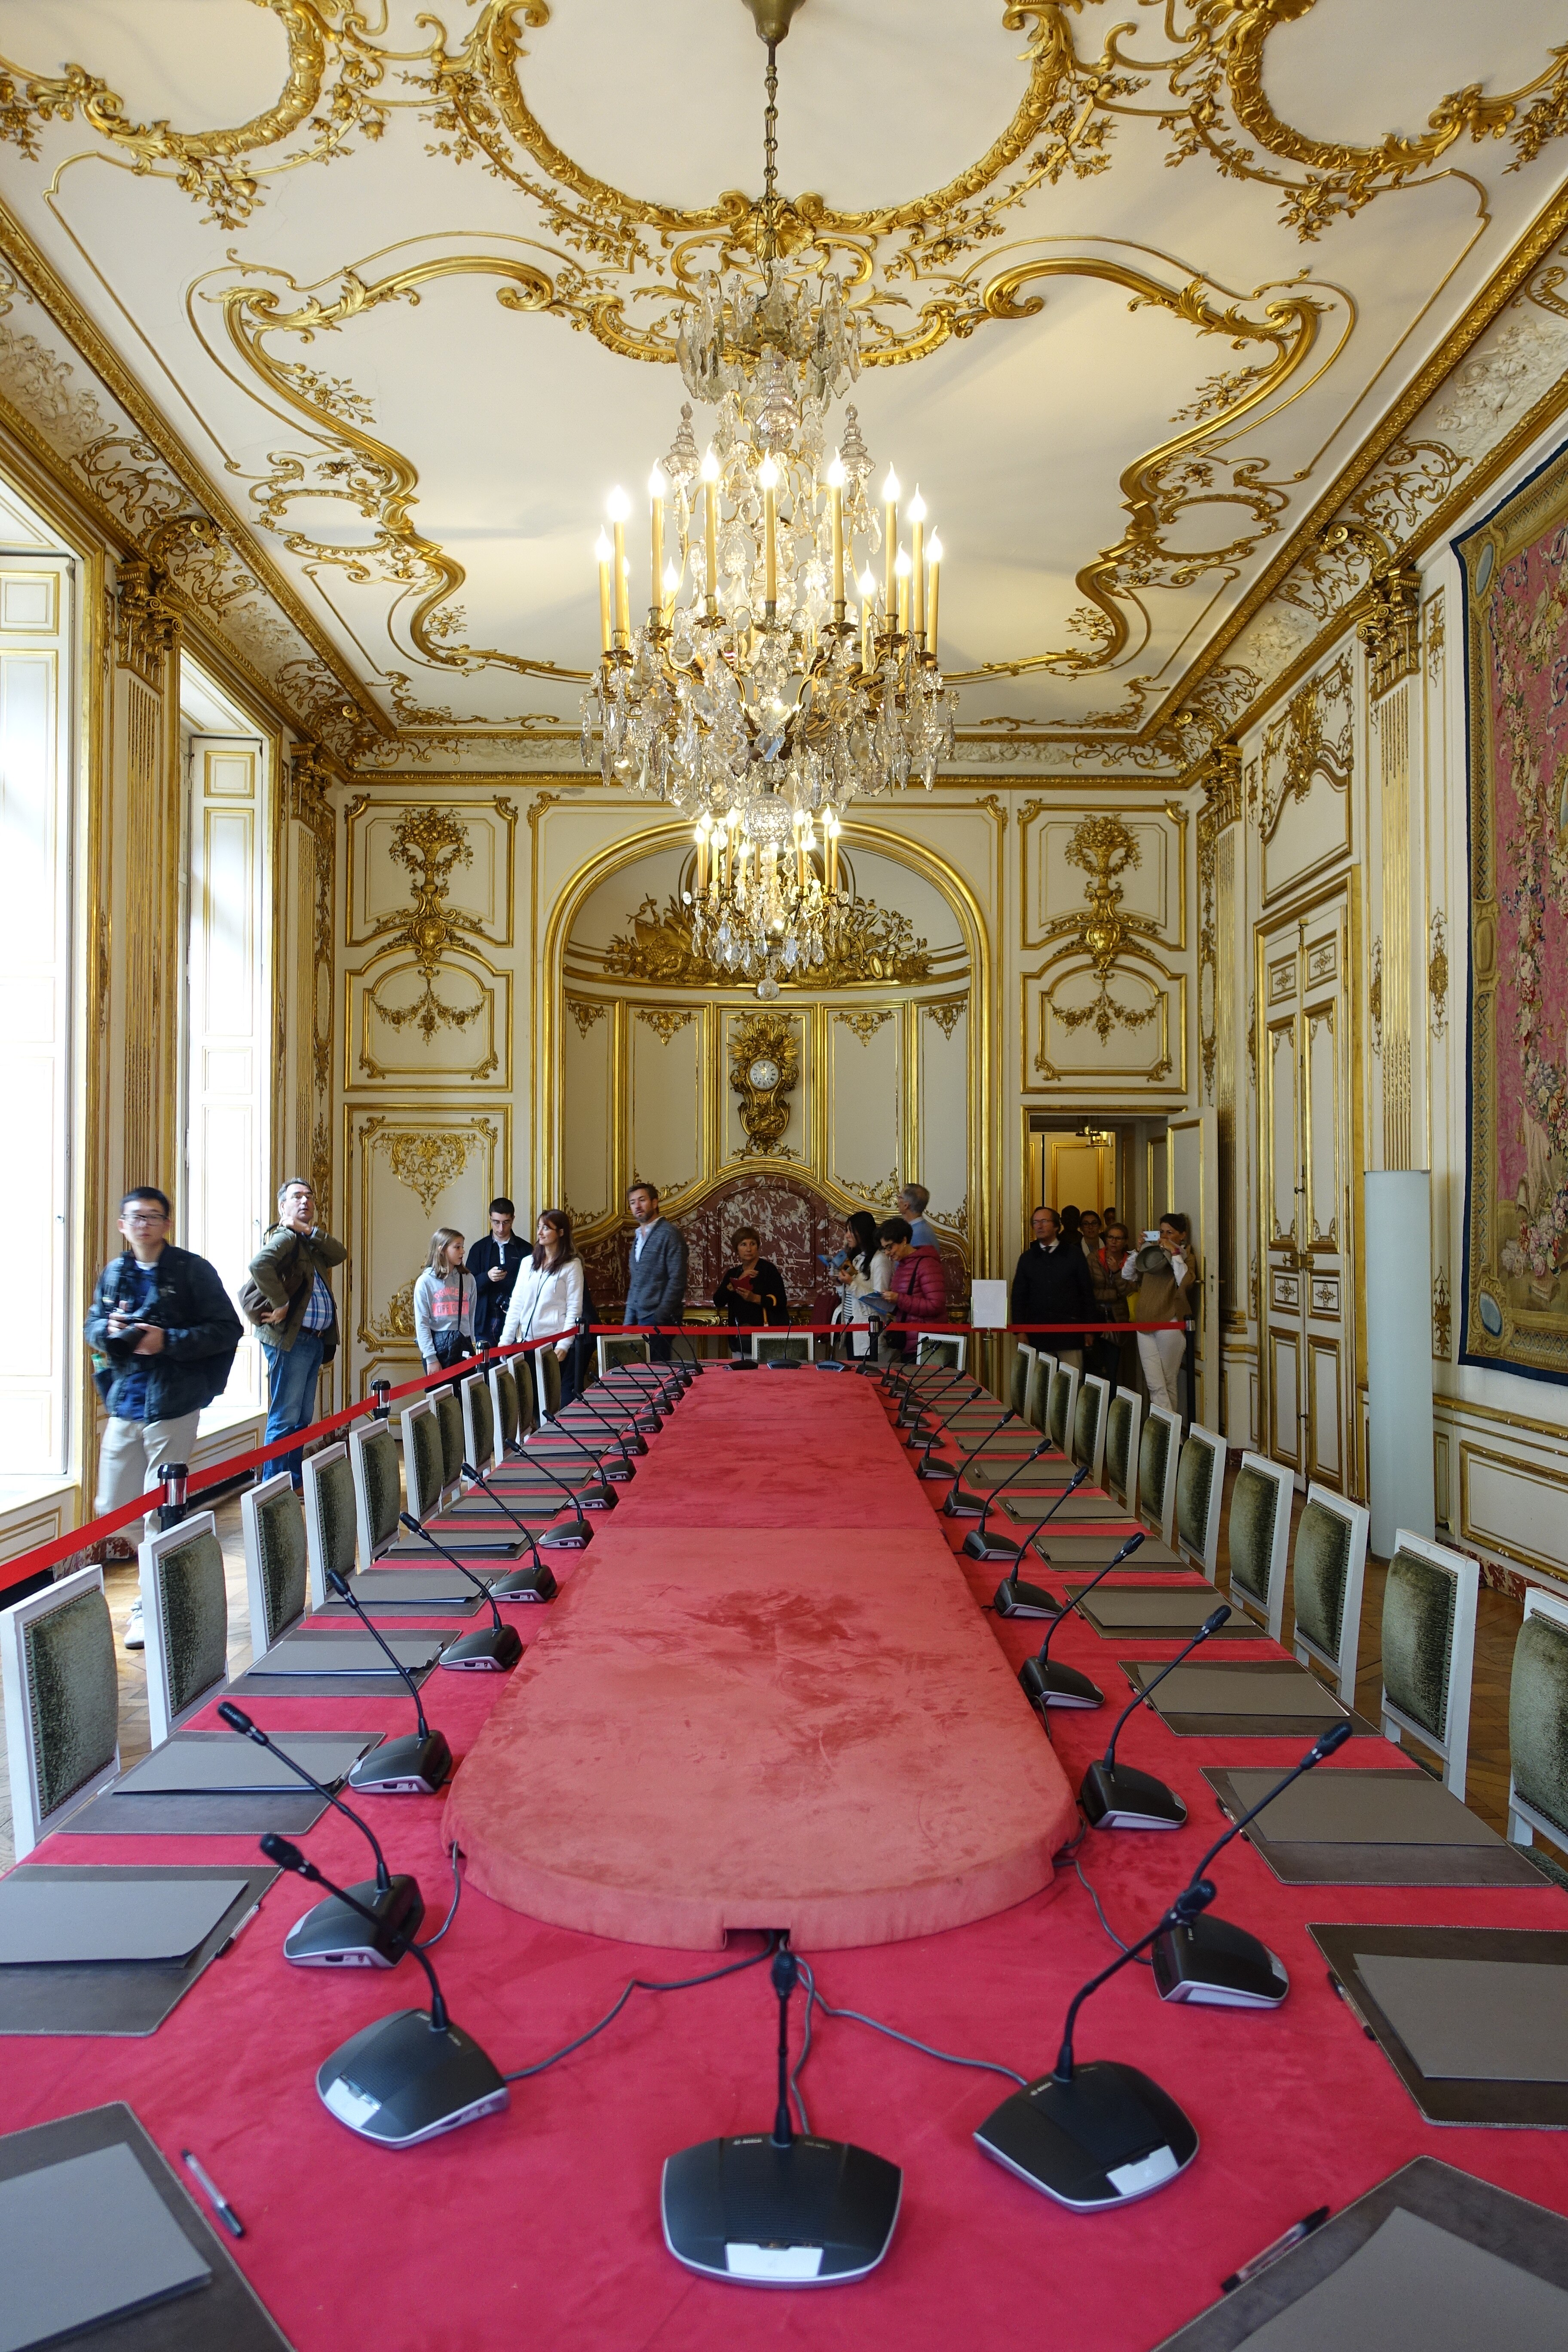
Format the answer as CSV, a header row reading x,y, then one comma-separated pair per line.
x,y
407,1518
596,1485
1182,1913
479,1479
1129,1546
785,1972
949,1507
289,1856
1336,1736
1211,1624
237,1720
1032,1539
340,1585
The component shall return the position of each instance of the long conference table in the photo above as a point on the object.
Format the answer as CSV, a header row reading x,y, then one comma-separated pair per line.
x,y
820,1682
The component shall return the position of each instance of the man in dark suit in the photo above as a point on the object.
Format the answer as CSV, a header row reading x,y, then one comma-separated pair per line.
x,y
494,1263
1052,1285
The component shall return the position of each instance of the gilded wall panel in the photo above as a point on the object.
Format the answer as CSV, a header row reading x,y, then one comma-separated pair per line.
x,y
867,1079
942,1034
1052,878
416,1166
590,1177
667,1051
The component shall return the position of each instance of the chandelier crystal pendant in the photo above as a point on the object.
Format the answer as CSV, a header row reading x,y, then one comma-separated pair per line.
x,y
758,697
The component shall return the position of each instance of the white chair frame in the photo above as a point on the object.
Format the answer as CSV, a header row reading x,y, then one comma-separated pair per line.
x,y
1163,1507
315,1559
358,1437
163,1719
28,1826
602,1345
1273,1602
1129,1499
249,1503
959,1340
1097,1463
1208,1558
1454,1748
1523,1820
1028,1354
1073,1376
1359,1520
418,1505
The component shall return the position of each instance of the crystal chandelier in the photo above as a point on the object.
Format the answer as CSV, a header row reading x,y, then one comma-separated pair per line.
x,y
758,697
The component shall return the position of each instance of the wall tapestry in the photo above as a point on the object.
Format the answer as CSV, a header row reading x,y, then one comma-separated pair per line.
x,y
1516,649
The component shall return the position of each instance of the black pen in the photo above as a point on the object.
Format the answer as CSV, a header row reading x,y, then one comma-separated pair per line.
x,y
1292,2237
224,2211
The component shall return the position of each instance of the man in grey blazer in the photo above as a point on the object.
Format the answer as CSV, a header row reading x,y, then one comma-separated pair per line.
x,y
656,1281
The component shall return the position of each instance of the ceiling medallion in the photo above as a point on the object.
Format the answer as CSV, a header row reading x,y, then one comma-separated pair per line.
x,y
767,699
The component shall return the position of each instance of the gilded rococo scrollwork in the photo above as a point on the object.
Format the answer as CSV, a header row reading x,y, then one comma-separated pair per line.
x,y
1104,848
875,945
428,844
1298,747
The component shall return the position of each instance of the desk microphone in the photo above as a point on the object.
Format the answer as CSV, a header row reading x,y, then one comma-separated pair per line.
x,y
333,1935
411,2075
629,1439
959,1503
596,1496
780,2207
1103,2134
1115,1797
567,1535
491,1649
662,1370
632,1368
535,1583
1210,1962
1014,1596
913,1408
1044,1684
697,1366
416,1765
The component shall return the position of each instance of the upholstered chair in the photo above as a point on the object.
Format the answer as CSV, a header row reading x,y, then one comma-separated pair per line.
x,y
1122,1416
794,1347
1159,1452
331,1519
1061,1402
449,1422
936,1348
1089,1427
62,1703
184,1609
507,1408
1538,1729
1037,1390
272,1523
1259,1536
423,1459
547,1382
1018,1390
1328,1569
621,1351
1428,1649
479,1423
1200,1491
378,1487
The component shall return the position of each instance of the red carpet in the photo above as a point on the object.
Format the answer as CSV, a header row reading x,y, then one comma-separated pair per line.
x,y
757,1725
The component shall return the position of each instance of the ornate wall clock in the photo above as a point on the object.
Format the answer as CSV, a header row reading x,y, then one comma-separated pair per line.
x,y
765,1068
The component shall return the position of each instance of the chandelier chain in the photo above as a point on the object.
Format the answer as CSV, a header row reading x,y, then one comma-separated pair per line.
x,y
770,158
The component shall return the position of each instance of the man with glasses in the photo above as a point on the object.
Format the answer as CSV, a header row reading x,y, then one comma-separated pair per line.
x,y
163,1334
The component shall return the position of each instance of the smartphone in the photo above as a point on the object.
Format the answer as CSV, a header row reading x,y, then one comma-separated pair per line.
x,y
1147,1237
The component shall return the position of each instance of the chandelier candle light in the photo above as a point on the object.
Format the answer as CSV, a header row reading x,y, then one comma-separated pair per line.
x,y
757,697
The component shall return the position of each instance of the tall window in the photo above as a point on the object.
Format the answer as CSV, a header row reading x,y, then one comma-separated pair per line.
x,y
226,1066
39,1350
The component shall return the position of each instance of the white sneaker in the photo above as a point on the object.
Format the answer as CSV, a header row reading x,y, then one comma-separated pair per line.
x,y
135,1639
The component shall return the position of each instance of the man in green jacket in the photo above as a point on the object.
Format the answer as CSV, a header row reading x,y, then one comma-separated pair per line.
x,y
299,1326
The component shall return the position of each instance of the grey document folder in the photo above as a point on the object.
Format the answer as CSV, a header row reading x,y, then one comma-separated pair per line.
x,y
1239,1690
347,1653
86,2240
65,1920
1474,2020
1359,1807
1415,2288
203,1763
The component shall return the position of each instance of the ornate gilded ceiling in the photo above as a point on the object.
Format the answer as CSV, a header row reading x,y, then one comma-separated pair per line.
x,y
388,293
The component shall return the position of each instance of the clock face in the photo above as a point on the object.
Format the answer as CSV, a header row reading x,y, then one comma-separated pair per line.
x,y
762,1075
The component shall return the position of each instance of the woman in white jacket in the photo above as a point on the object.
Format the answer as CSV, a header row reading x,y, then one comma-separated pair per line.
x,y
548,1294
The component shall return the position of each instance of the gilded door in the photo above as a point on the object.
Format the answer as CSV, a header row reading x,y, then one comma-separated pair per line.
x,y
1304,1103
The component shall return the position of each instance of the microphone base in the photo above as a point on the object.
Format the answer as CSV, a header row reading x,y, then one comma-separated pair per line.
x,y
1118,1798
571,1535
981,1544
1056,1685
597,1499
939,1473
819,2213
964,1505
493,1650
525,1584
1216,1966
1015,1597
330,1935
1105,2138
414,1765
400,2081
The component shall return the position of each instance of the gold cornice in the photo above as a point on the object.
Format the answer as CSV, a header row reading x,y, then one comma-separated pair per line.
x,y
79,329
1531,249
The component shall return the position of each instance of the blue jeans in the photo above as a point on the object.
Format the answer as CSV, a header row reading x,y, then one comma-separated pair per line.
x,y
291,1377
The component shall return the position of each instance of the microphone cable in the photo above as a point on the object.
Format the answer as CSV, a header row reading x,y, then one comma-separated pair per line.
x,y
858,2016
1143,1957
457,1899
641,1984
